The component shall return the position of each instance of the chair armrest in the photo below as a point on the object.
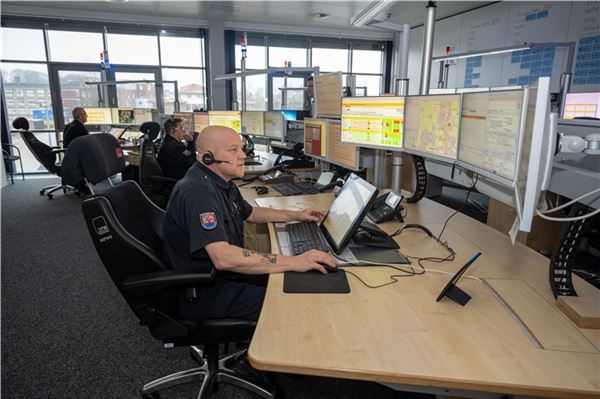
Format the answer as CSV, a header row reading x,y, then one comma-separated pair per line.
x,y
162,179
57,150
151,283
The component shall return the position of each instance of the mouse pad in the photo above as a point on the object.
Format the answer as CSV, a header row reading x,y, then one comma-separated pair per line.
x,y
314,282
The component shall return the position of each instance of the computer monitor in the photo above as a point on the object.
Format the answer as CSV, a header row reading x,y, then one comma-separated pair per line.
x,y
123,116
338,153
315,137
98,116
376,122
431,125
231,119
200,121
116,132
188,121
141,115
348,211
131,135
490,133
253,122
275,125
289,115
582,105
328,94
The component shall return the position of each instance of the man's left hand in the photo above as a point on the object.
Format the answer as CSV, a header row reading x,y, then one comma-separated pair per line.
x,y
311,215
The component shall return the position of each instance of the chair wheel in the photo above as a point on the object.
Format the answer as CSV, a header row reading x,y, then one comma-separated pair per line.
x,y
64,190
50,196
41,192
153,395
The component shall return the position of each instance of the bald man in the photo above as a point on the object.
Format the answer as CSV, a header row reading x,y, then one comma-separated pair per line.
x,y
203,228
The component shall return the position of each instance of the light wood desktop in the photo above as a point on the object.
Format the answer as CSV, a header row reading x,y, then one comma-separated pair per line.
x,y
511,338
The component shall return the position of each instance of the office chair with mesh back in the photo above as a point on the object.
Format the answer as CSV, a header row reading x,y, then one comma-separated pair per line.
x,y
154,183
45,155
125,228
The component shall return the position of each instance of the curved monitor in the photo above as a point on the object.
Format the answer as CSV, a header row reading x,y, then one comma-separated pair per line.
x,y
253,123
275,125
328,94
376,122
490,132
431,125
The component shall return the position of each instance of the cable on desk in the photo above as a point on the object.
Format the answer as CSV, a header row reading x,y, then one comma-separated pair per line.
x,y
461,207
393,277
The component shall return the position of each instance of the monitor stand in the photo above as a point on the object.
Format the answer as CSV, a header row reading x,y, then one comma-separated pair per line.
x,y
370,235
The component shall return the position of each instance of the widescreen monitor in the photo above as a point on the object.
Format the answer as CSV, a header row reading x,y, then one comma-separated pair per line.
x,y
200,121
338,153
431,125
123,116
490,131
315,137
348,211
141,115
328,94
188,121
253,123
131,135
116,132
373,121
275,125
582,105
98,116
231,119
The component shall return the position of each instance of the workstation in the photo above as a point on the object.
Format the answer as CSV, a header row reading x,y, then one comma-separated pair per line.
x,y
352,118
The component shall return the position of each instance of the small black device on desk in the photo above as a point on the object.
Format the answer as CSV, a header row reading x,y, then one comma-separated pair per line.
x,y
387,207
302,187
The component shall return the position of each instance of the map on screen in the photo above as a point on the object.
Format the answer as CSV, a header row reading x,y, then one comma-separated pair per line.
x,y
253,122
431,125
490,131
373,121
582,104
275,125
231,119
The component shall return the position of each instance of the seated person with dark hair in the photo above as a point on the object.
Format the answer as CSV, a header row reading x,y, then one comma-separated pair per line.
x,y
174,157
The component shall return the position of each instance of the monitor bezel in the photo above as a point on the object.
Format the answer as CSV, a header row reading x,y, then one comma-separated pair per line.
x,y
425,153
338,248
505,181
375,146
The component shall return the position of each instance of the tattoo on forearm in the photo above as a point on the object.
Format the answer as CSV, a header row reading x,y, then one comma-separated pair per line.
x,y
246,252
269,259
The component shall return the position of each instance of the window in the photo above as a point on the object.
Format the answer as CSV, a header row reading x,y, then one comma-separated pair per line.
x,y
30,92
20,92
279,55
371,82
8,92
10,101
255,57
294,98
330,59
132,49
367,61
182,51
21,102
68,46
191,87
256,92
136,95
41,93
23,44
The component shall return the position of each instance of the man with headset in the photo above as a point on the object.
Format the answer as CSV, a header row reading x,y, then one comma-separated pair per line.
x,y
174,157
203,228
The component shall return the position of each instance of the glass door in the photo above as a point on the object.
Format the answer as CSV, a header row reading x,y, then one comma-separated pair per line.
x,y
138,94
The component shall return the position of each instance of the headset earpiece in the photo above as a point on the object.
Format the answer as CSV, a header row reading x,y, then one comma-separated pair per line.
x,y
208,158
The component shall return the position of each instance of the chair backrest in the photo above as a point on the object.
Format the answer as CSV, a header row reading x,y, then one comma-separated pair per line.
x,y
148,166
150,129
41,151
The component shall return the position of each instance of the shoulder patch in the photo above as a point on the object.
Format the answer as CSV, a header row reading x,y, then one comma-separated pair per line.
x,y
187,153
208,220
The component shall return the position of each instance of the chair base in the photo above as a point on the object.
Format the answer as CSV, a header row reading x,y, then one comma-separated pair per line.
x,y
48,190
211,372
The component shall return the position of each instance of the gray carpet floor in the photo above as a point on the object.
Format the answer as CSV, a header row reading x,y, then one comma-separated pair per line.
x,y
67,332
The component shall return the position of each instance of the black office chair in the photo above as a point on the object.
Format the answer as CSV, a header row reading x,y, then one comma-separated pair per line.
x,y
125,228
154,183
150,129
45,155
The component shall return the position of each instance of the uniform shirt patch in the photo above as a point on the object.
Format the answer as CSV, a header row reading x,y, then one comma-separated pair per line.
x,y
187,153
208,220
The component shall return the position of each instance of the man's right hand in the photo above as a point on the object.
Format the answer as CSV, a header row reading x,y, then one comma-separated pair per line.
x,y
313,260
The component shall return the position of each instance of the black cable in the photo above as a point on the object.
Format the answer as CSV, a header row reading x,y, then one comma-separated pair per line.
x,y
394,277
461,207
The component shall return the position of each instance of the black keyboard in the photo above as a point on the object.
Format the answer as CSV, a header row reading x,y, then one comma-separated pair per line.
x,y
305,236
255,163
297,188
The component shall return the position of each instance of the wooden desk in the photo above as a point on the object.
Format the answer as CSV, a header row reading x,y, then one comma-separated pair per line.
x,y
511,338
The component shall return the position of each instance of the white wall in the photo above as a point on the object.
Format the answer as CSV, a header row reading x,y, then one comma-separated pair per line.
x,y
508,23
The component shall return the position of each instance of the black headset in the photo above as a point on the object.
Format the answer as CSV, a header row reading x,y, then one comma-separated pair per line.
x,y
208,158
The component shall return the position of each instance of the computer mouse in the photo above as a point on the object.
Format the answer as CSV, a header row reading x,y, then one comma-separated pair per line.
x,y
362,235
260,190
330,269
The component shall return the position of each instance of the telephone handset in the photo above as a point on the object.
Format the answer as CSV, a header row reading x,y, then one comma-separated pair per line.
x,y
386,207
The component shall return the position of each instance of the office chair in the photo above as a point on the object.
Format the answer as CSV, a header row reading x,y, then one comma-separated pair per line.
x,y
45,155
154,183
150,129
9,159
125,228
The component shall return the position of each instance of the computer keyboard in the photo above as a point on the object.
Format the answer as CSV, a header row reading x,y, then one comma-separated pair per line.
x,y
255,163
305,236
297,188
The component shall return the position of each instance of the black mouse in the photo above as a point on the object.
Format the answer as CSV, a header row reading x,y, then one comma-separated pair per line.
x,y
362,235
330,269
260,190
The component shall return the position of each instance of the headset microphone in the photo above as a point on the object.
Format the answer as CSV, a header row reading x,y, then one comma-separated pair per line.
x,y
208,159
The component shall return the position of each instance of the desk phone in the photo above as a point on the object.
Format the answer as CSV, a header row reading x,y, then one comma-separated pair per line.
x,y
386,208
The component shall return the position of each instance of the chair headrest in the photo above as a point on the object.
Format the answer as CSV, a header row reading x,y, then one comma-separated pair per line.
x,y
95,156
21,123
151,129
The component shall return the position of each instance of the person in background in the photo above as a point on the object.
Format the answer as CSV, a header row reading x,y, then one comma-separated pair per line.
x,y
174,156
76,128
310,94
